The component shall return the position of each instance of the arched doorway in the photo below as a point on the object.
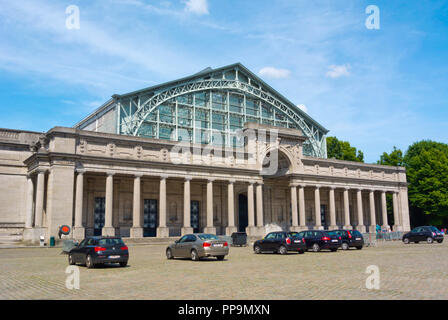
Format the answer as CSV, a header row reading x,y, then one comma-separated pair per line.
x,y
242,213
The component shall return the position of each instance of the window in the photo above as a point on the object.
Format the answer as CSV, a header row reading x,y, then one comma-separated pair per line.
x,y
166,133
166,113
219,100
252,107
202,99
183,239
208,237
111,242
219,121
236,103
191,238
271,236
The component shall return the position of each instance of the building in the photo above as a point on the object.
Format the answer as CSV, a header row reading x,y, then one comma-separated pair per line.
x,y
119,171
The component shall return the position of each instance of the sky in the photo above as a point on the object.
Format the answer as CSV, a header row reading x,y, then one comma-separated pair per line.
x,y
376,88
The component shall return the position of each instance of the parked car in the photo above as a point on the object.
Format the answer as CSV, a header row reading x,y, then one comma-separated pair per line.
x,y
280,242
97,250
317,240
349,238
424,233
197,246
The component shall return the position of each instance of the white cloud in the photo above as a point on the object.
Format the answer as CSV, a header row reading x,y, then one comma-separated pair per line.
x,y
198,7
336,71
302,107
272,72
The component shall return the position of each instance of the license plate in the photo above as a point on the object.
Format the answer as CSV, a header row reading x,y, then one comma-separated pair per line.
x,y
297,241
114,257
358,238
217,245
334,240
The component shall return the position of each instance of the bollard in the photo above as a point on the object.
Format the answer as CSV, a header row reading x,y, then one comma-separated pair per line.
x,y
52,242
41,240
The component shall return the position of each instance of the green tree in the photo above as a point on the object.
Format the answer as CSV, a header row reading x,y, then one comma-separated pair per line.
x,y
342,150
395,158
426,163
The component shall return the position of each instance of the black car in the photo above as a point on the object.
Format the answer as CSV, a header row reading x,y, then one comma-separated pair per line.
x,y
317,240
99,250
280,242
349,238
424,233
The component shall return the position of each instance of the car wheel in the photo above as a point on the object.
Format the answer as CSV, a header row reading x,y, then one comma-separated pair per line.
x,y
220,258
316,247
359,248
89,262
194,255
123,264
283,250
439,241
345,246
406,241
70,260
333,249
429,240
257,250
301,251
169,254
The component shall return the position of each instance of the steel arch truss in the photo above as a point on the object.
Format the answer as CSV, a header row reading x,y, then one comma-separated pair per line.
x,y
316,136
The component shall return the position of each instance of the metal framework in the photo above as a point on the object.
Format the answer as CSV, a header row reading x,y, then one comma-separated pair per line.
x,y
141,110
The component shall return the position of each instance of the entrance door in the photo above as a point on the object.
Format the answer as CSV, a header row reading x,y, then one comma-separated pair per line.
x,y
98,215
323,212
242,213
150,218
194,215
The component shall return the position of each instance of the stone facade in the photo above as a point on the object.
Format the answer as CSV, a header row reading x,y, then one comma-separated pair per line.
x,y
75,177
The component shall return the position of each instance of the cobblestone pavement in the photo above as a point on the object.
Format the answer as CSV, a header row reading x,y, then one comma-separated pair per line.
x,y
415,271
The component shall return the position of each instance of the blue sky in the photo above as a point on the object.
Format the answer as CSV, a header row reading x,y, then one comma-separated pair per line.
x,y
374,88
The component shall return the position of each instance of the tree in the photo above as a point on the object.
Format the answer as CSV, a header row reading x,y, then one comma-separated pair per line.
x,y
426,163
395,158
342,150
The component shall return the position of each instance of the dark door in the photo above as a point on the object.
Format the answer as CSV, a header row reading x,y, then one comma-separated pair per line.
x,y
323,212
98,216
194,215
150,218
242,213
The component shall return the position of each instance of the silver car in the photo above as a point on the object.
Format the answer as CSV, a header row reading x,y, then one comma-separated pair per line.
x,y
197,246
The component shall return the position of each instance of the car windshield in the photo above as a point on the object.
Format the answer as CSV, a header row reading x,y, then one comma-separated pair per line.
x,y
333,233
434,229
293,234
208,237
110,242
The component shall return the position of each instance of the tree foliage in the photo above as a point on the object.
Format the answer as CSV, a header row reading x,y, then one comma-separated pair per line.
x,y
395,158
426,163
342,150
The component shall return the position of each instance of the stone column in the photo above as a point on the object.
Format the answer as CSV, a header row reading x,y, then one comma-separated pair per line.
x,y
231,228
251,229
347,224
40,191
384,210
294,213
397,225
372,227
162,231
137,229
317,218
79,231
29,202
332,206
360,227
260,224
210,228
302,216
108,229
187,207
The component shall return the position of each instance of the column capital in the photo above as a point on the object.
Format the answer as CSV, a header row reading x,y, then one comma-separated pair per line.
x,y
331,187
317,186
260,183
210,179
188,178
301,185
293,185
110,173
80,171
138,175
163,176
251,182
41,170
231,181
